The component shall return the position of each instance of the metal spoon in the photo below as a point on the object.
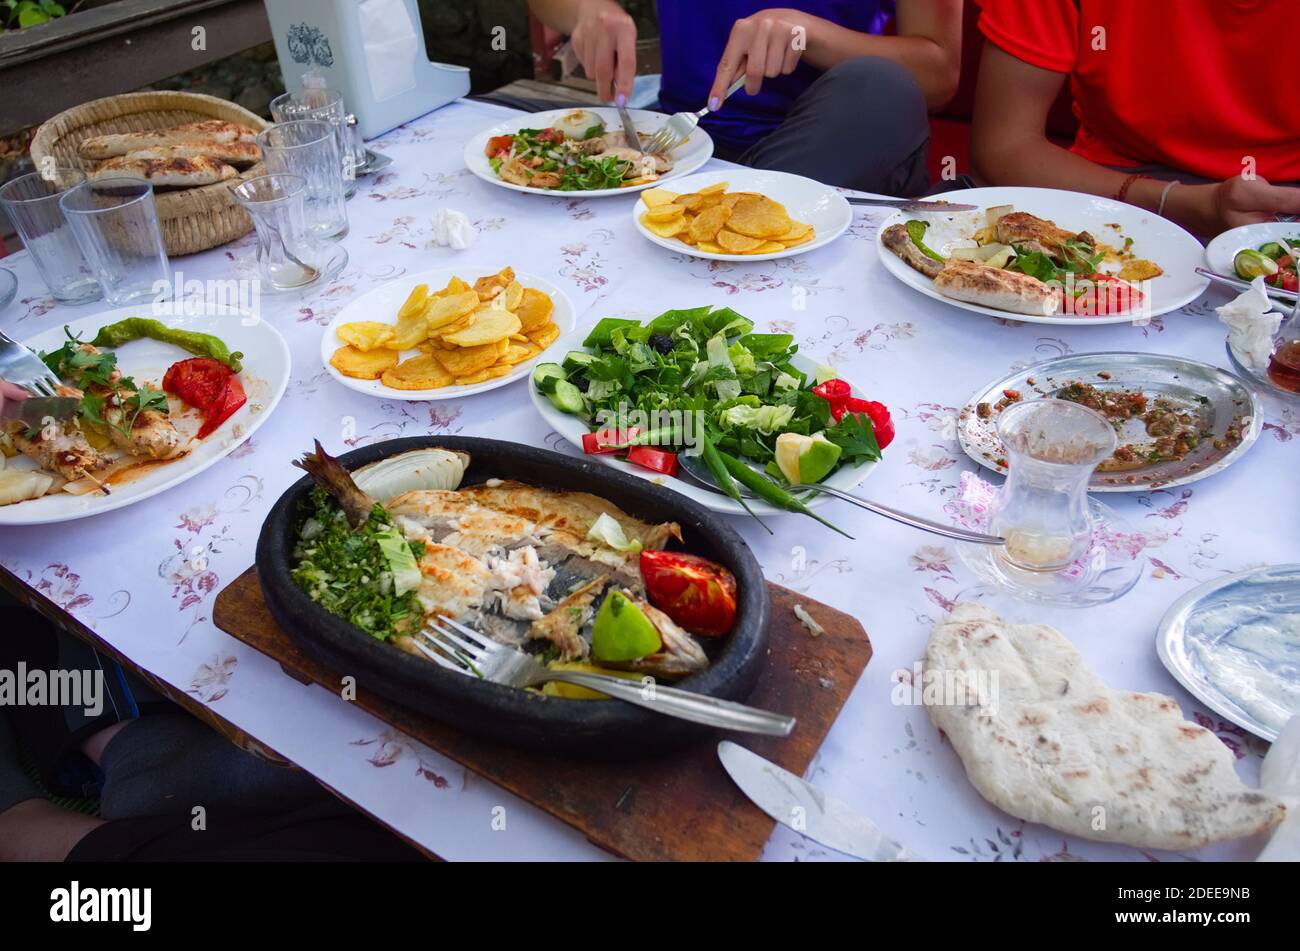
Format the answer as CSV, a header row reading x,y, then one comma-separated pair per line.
x,y
694,470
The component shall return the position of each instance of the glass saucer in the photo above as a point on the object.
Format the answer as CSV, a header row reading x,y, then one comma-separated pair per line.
x,y
1259,377
1108,571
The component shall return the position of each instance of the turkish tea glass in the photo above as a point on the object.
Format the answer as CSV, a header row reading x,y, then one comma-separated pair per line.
x,y
32,204
325,105
288,255
1042,511
309,149
115,221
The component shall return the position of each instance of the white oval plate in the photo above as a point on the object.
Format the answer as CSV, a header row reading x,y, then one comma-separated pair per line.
x,y
383,303
1176,251
572,428
265,376
687,157
806,200
1220,252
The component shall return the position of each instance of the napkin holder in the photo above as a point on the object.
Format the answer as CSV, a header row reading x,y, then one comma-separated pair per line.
x,y
372,51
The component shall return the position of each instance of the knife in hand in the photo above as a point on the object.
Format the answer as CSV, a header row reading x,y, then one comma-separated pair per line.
x,y
803,807
34,412
629,130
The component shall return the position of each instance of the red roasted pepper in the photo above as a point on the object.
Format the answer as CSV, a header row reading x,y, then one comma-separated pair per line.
x,y
656,460
878,413
209,386
693,591
608,440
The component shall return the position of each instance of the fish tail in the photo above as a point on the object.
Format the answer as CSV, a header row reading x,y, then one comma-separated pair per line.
x,y
326,471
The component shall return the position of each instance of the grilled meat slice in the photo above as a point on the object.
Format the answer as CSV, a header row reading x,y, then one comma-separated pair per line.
x,y
58,449
997,288
1024,230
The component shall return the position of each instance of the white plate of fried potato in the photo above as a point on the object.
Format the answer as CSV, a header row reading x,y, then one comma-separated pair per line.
x,y
742,215
446,333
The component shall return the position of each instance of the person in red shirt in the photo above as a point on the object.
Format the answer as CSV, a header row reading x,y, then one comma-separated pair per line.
x,y
1197,92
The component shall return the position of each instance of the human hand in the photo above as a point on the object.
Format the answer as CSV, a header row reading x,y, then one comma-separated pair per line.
x,y
10,392
604,38
767,44
1244,201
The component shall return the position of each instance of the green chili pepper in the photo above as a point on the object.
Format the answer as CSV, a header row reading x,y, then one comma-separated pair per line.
x,y
769,491
713,459
916,231
199,344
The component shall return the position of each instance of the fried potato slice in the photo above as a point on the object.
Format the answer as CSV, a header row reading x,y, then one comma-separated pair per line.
x,y
365,335
654,197
466,361
715,188
768,247
706,225
454,286
759,218
690,202
518,353
733,243
711,247
445,311
666,229
489,326
410,331
418,373
489,287
498,371
363,365
534,310
809,235
664,213
415,302
545,336
509,299
797,230
480,377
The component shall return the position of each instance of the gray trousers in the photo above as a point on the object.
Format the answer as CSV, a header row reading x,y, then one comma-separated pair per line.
x,y
863,124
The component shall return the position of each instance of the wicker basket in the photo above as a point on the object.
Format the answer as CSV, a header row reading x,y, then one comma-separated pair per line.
x,y
192,219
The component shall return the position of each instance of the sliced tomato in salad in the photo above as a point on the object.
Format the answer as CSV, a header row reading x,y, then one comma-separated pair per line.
x,y
209,386
499,146
553,136
698,594
1103,294
881,421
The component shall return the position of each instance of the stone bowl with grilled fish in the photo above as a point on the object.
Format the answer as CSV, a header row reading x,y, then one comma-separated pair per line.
x,y
540,478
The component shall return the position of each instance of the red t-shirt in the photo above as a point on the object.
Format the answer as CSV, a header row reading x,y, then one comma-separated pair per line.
x,y
1197,85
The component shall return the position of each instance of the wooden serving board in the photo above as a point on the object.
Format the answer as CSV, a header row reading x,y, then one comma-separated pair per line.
x,y
678,806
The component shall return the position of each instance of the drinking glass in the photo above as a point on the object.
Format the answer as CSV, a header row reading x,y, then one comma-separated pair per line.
x,y
32,203
309,149
325,105
288,255
1042,511
115,222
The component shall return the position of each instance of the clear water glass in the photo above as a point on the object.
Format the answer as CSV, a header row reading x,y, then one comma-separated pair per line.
x,y
1042,511
325,105
288,255
309,149
115,221
32,204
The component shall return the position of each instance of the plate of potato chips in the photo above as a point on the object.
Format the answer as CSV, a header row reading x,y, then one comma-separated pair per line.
x,y
742,214
445,334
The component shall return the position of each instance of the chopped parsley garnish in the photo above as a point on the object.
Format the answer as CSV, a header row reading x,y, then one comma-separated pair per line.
x,y
347,573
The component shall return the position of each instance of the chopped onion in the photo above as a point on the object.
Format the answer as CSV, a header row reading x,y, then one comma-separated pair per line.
x,y
414,471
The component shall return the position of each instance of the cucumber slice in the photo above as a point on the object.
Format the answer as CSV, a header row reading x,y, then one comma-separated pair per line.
x,y
567,397
547,375
578,360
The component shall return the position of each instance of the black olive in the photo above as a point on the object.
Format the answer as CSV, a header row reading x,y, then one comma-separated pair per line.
x,y
582,383
662,343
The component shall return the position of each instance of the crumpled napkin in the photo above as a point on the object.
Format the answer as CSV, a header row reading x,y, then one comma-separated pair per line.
x,y
1251,325
452,229
1280,776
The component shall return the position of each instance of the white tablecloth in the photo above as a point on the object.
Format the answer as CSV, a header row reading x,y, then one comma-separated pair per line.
x,y
144,578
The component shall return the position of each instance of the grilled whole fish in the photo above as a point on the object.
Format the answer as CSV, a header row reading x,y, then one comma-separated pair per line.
x,y
514,561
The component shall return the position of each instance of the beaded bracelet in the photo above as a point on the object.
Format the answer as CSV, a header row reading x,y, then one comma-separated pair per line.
x,y
1123,189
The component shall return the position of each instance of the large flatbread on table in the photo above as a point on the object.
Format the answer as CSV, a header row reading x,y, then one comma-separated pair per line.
x,y
1058,746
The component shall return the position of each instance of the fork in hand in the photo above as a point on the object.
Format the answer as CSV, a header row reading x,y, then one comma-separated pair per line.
x,y
680,125
21,367
463,650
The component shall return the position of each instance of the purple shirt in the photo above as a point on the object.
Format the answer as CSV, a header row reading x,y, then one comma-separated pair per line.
x,y
693,34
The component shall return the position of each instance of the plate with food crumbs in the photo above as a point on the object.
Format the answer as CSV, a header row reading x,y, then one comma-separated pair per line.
x,y
1177,420
446,333
742,215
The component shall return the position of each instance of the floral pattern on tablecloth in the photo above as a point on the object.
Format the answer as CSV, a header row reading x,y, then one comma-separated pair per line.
x,y
145,577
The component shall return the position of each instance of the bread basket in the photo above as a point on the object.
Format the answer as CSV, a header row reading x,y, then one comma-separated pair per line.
x,y
192,219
